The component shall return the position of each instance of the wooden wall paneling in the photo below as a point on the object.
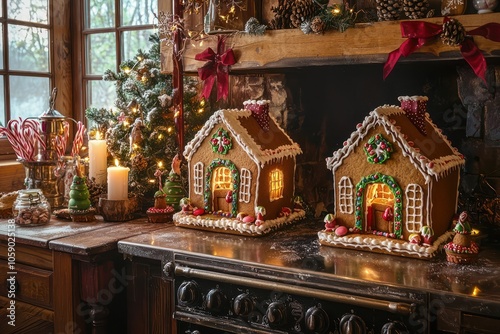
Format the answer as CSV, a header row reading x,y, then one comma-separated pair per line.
x,y
62,56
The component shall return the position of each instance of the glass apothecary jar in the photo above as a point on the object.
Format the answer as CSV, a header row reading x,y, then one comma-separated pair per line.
x,y
31,208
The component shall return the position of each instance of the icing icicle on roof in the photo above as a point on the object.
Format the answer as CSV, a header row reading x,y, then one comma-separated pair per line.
x,y
263,147
432,153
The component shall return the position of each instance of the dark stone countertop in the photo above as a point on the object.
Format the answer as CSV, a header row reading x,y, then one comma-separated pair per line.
x,y
296,250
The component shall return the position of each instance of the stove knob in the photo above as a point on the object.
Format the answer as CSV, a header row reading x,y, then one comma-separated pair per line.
x,y
216,301
352,324
394,327
188,293
276,314
317,320
243,305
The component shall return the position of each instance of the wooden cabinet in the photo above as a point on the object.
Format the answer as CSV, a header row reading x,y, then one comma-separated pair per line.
x,y
67,277
31,281
150,298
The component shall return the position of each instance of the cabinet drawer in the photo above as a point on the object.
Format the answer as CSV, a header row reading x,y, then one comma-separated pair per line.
x,y
32,285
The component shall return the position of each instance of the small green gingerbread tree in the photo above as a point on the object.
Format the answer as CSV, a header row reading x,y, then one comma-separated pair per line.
x,y
79,196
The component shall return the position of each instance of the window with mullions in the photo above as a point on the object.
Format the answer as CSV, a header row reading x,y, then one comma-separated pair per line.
x,y
26,58
114,30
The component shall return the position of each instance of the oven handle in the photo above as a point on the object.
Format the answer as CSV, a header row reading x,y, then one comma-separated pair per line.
x,y
384,305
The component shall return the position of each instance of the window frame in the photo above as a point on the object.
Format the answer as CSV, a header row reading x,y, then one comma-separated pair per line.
x,y
81,33
276,184
414,207
60,70
245,185
198,181
346,203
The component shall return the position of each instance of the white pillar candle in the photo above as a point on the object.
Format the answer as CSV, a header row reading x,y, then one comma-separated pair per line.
x,y
98,160
118,183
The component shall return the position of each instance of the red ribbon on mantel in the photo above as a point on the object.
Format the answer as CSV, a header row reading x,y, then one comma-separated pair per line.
x,y
217,67
420,32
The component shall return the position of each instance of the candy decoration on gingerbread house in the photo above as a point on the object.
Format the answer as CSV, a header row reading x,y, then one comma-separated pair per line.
x,y
396,183
241,167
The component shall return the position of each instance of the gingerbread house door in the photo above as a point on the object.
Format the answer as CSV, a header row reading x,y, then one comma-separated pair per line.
x,y
221,186
379,208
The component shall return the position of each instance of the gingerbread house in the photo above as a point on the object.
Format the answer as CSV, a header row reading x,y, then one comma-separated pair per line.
x,y
241,173
395,184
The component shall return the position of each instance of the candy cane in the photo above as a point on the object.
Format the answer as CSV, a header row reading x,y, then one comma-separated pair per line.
x,y
78,141
15,146
16,139
35,126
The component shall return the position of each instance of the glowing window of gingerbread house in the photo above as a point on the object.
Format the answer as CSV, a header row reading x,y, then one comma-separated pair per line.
x,y
276,184
414,207
221,179
246,181
198,178
379,193
345,195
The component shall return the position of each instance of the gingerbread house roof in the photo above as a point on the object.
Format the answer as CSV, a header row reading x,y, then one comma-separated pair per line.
x,y
262,147
431,153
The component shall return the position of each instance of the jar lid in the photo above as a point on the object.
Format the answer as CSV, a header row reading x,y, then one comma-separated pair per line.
x,y
31,195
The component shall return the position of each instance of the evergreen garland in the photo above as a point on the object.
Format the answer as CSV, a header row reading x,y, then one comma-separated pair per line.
x,y
140,130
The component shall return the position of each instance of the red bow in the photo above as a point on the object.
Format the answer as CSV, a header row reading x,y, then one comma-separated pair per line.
x,y
420,32
216,67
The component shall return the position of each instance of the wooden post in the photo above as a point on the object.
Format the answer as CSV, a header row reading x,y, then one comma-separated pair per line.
x,y
177,77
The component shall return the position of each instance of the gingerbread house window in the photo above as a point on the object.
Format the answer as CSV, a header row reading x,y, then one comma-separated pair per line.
x,y
276,184
221,178
246,180
414,206
345,195
198,178
379,193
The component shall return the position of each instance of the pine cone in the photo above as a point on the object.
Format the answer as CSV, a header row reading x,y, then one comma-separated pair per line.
x,y
282,14
416,9
303,10
453,33
388,10
318,26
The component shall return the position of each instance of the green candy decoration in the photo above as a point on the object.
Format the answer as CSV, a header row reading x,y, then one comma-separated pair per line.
x,y
172,187
79,196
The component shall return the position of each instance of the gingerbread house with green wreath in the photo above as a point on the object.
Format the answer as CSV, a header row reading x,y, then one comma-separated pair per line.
x,y
241,167
395,184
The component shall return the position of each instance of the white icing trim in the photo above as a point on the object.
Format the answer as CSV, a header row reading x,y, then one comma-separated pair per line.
x,y
257,186
232,224
368,242
246,176
429,168
346,200
413,98
429,204
230,118
418,196
198,181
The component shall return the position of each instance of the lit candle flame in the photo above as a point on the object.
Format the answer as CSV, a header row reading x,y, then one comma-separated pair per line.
x,y
97,135
117,163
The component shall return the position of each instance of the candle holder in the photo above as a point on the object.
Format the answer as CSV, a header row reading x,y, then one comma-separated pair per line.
x,y
118,210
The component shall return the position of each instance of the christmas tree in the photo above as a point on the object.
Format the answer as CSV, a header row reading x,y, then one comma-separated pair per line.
x,y
141,129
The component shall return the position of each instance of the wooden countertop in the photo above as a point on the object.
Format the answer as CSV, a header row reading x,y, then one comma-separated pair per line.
x,y
104,239
41,236
83,239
